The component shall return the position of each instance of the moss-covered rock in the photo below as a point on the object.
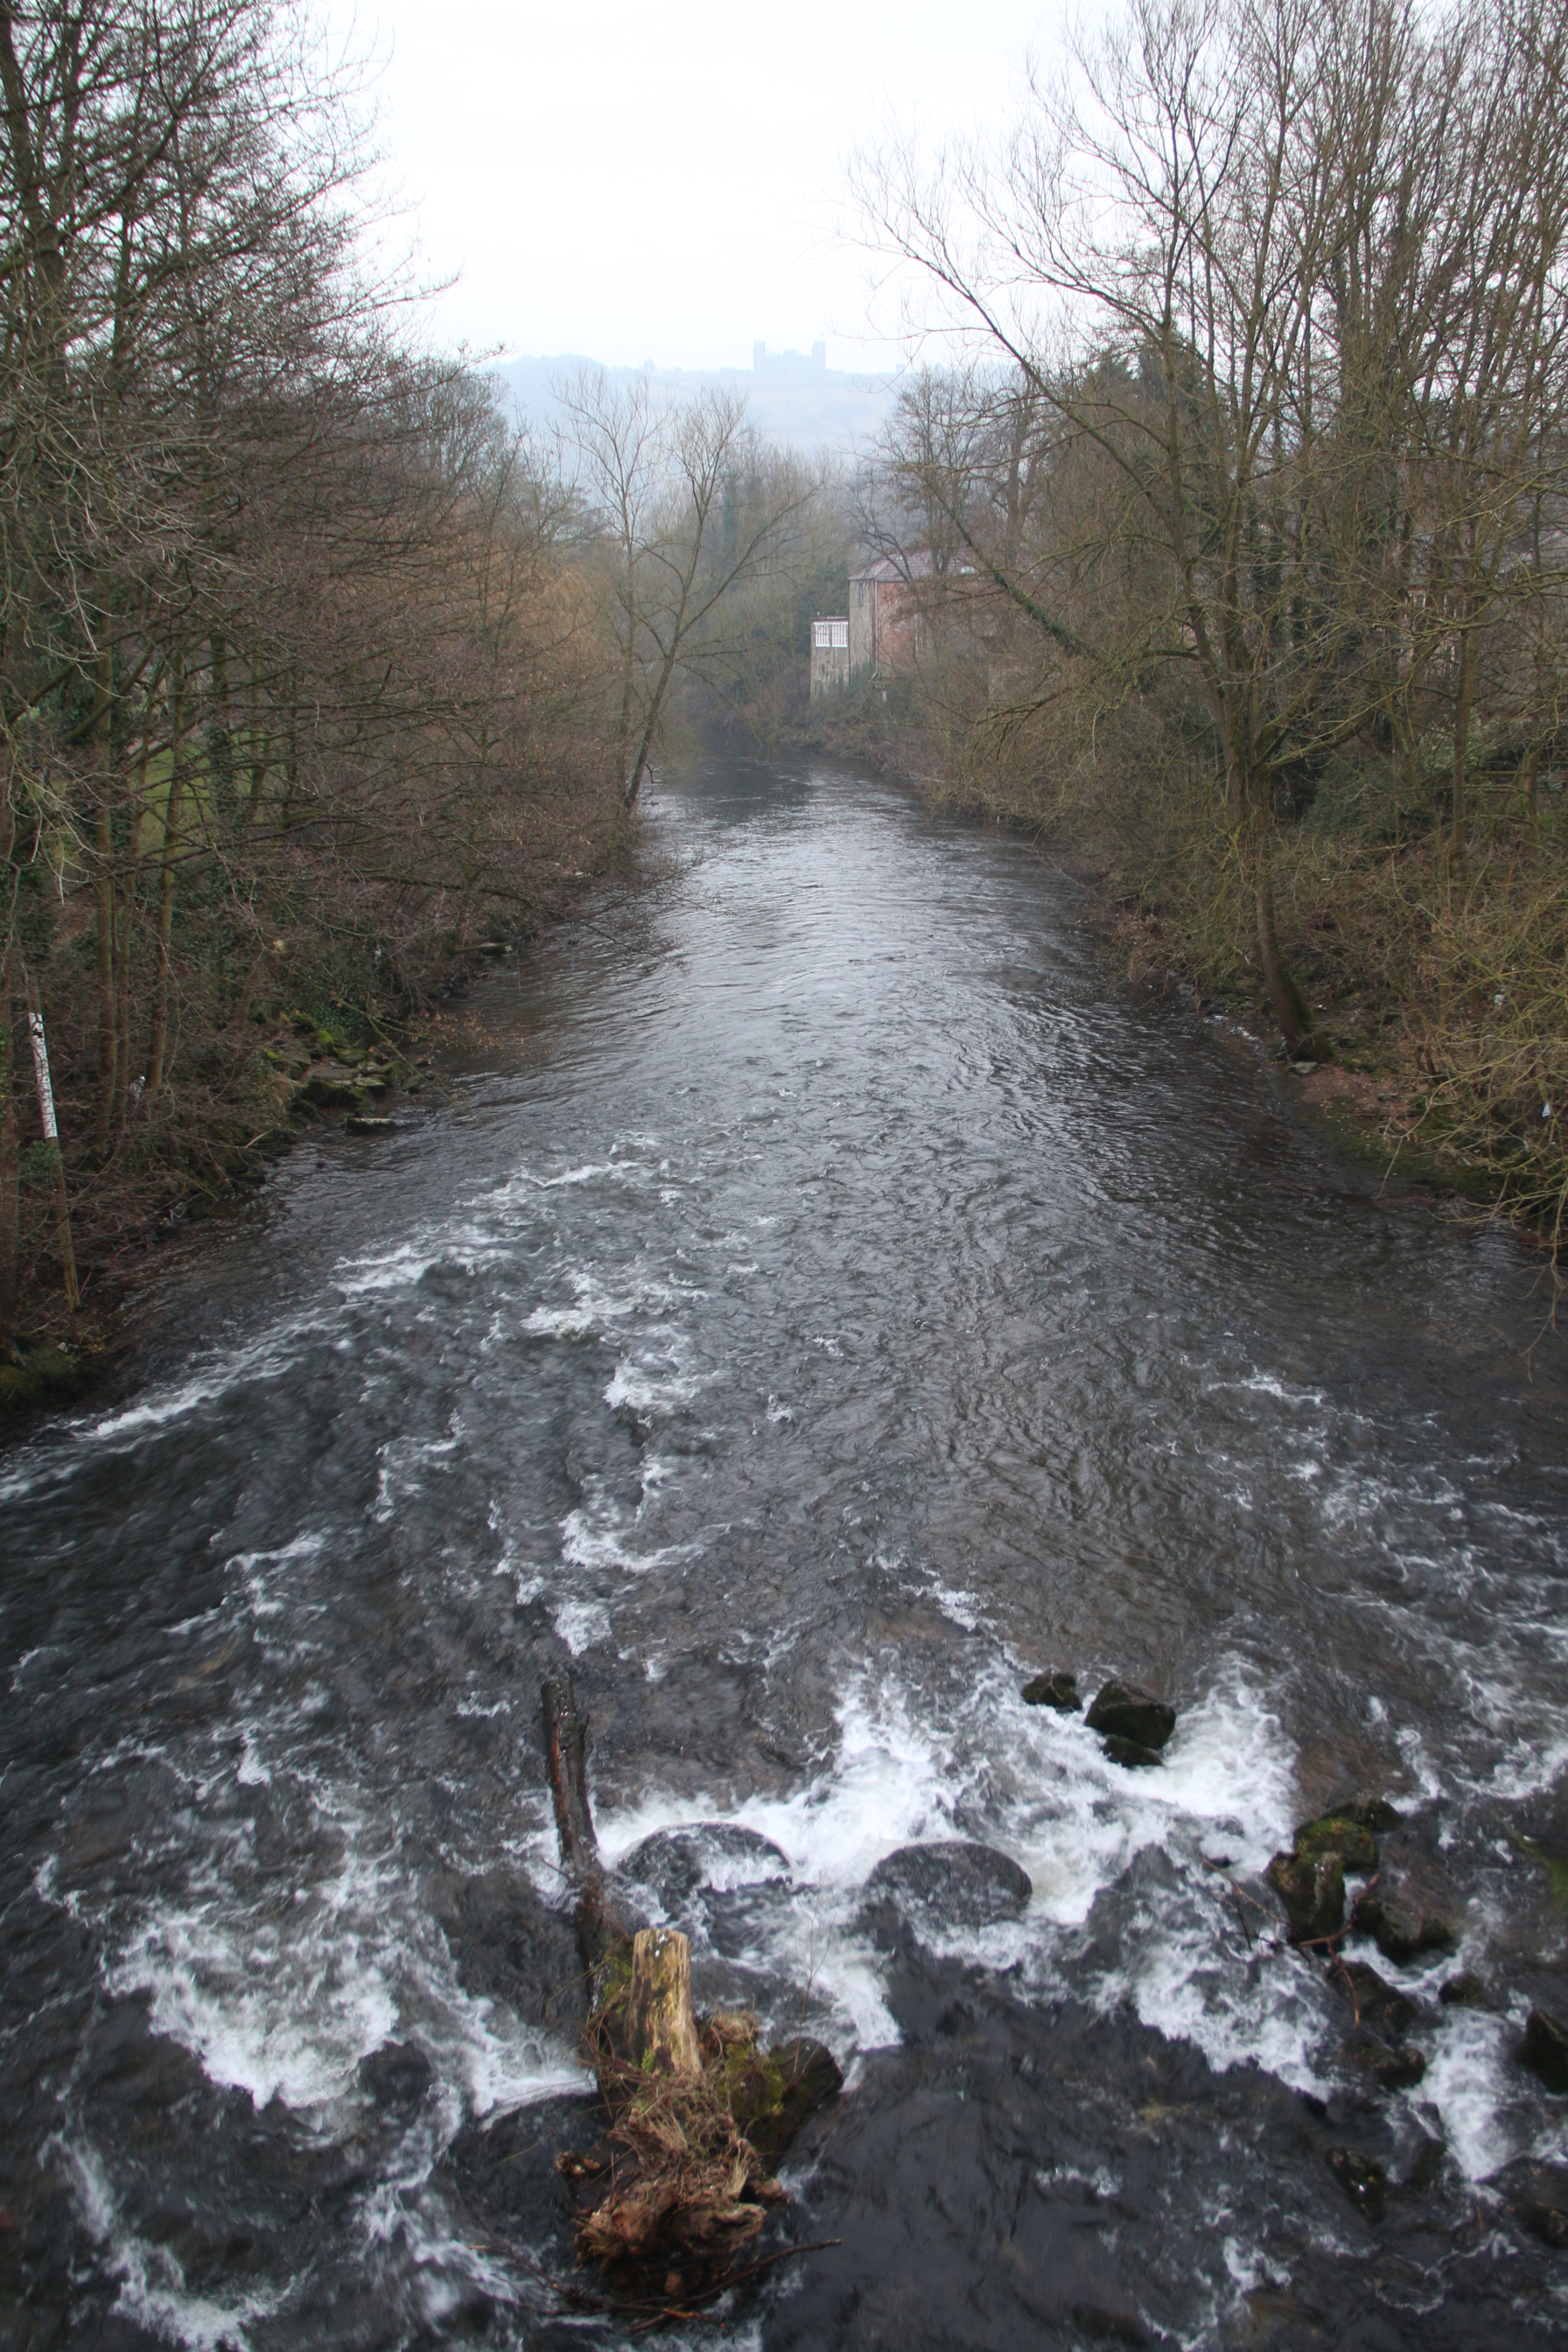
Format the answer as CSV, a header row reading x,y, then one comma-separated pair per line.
x,y
42,1375
1337,1834
771,2097
1314,1893
1369,1813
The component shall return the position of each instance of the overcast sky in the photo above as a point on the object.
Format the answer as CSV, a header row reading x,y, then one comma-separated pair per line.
x,y
639,182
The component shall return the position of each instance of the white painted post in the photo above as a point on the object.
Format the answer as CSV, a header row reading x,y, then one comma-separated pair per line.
x,y
41,1070
52,1139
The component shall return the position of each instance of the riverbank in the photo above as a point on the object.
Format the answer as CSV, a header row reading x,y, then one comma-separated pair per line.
x,y
1440,1000
325,1039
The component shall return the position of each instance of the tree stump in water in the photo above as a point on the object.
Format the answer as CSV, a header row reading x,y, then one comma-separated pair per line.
x,y
660,2032
679,2185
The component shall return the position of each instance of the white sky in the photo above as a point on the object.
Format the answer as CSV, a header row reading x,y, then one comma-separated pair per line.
x,y
665,181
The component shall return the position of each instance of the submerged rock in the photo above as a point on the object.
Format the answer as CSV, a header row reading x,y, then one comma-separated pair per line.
x,y
1313,1893
674,1864
396,2075
1130,1752
1467,1992
1363,2179
1390,2069
1405,1911
1537,2195
1057,1689
1378,2004
1544,2050
955,1883
1125,1713
1425,2167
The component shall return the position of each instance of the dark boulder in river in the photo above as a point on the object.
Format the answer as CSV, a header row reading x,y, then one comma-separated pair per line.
x,y
1313,1893
1544,2048
1338,1833
1378,2004
674,1864
1374,1814
772,2097
1376,2062
1125,1713
1057,1689
1131,1753
1536,2195
955,1883
1406,1910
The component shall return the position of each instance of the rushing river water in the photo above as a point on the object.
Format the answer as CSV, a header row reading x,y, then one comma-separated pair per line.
x,y
832,1300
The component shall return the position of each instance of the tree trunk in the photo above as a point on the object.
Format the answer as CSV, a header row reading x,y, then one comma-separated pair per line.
x,y
103,893
220,742
52,1143
1290,1006
122,1022
258,748
172,806
10,1161
599,1929
1463,712
661,2031
107,1025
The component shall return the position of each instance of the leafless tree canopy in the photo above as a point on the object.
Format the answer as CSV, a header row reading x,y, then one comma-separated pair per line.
x,y
1256,456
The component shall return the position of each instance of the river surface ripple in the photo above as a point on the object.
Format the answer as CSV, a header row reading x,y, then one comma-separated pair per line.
x,y
830,1299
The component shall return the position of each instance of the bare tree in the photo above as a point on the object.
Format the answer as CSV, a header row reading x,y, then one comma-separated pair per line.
x,y
657,478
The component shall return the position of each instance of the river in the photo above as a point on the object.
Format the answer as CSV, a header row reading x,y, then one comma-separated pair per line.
x,y
826,1298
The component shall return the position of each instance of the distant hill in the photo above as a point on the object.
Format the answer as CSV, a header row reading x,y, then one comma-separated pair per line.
x,y
805,407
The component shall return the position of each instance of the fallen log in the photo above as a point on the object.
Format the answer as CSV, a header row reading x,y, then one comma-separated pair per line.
x,y
601,1930
696,2112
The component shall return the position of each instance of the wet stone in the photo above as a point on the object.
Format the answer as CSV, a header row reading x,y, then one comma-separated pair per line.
x,y
1313,1891
396,2075
1363,2179
676,1864
1057,1689
1405,1913
1389,2012
772,2098
333,1086
1425,2166
1544,2050
1467,1992
1537,2196
1388,2069
1130,1753
1369,1813
1125,1713
955,1883
1338,1833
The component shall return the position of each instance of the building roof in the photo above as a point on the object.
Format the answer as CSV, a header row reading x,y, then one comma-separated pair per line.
x,y
915,565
